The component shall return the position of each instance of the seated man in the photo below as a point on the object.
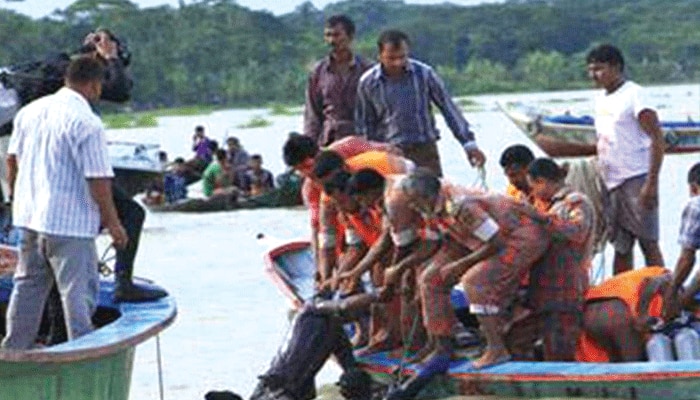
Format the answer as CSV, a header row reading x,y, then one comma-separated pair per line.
x,y
216,177
175,182
504,239
257,180
238,159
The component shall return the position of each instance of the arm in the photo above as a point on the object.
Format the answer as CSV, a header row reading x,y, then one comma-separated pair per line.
x,y
684,265
689,239
412,255
327,239
313,108
575,223
454,118
101,192
374,254
11,163
649,121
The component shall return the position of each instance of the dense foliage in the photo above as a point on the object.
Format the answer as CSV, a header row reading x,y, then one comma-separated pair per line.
x,y
218,53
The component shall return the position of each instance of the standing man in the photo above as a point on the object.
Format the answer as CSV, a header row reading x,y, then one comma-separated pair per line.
x,y
332,88
394,105
630,151
60,174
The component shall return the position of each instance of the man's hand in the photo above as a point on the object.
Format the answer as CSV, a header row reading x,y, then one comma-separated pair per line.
x,y
104,45
476,157
392,275
649,195
118,234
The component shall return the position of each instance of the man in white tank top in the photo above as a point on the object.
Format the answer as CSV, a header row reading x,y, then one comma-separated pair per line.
x,y
630,151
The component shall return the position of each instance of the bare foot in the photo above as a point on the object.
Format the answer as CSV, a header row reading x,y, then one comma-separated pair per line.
x,y
491,357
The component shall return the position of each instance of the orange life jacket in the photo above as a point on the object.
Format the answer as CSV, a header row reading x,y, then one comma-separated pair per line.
x,y
627,287
368,228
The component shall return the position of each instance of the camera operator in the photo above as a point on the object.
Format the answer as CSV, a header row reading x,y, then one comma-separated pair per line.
x,y
37,79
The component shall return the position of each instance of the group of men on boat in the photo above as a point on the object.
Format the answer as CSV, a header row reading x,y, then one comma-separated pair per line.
x,y
228,172
378,204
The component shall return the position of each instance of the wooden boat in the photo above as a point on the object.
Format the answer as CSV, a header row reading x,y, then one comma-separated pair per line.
x,y
288,195
571,136
291,267
96,366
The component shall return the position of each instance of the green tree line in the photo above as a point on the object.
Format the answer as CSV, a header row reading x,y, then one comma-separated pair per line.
x,y
216,52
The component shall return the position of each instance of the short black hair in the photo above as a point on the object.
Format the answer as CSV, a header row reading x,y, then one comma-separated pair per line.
x,y
344,20
364,180
327,162
546,168
337,183
423,182
516,154
606,53
298,148
393,37
256,157
694,174
84,69
199,128
220,154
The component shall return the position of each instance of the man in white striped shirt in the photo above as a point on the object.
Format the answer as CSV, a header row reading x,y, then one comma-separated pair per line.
x,y
60,178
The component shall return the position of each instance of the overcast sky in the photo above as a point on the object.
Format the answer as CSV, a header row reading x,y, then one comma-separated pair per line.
x,y
41,8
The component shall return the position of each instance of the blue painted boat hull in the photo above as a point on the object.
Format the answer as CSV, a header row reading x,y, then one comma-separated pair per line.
x,y
291,268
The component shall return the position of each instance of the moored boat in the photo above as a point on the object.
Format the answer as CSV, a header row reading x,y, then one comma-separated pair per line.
x,y
292,269
135,165
569,136
96,366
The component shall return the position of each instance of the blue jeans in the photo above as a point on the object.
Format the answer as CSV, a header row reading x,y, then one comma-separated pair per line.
x,y
45,260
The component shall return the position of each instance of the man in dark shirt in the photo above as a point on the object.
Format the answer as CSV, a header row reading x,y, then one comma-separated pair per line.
x,y
394,105
332,87
257,180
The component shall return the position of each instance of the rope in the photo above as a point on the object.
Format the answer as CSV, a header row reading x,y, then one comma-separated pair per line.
x,y
480,181
407,343
598,273
160,368
102,266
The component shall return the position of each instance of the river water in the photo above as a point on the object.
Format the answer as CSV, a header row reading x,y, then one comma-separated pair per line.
x,y
231,318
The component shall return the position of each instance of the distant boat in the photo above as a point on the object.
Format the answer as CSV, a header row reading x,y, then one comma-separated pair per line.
x,y
96,366
288,194
291,267
563,135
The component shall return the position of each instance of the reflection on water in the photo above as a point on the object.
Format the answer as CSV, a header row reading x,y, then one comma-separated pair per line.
x,y
231,317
